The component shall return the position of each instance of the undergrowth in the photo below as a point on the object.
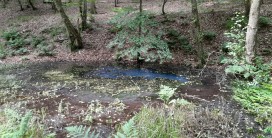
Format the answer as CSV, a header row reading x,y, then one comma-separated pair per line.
x,y
14,124
257,100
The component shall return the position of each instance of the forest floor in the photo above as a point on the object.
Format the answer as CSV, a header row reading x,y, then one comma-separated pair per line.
x,y
51,79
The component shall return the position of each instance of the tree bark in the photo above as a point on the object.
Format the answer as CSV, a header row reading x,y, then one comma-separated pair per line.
x,y
115,3
197,33
252,29
93,7
74,35
32,5
163,5
20,4
83,13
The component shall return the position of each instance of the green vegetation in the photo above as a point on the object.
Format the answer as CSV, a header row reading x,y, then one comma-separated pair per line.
x,y
18,44
138,37
209,35
14,124
237,64
2,51
175,40
256,99
80,132
265,21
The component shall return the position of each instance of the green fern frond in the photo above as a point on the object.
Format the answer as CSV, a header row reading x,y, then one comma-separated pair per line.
x,y
80,132
127,130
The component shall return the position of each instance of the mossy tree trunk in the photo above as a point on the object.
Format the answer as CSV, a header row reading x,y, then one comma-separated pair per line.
x,y
197,33
74,35
252,29
83,13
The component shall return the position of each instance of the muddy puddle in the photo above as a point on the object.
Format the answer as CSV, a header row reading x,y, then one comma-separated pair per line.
x,y
98,95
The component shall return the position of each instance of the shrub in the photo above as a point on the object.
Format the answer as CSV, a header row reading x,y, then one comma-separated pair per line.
x,y
44,49
14,124
237,64
131,45
16,43
238,17
36,41
264,21
10,35
21,51
257,100
209,35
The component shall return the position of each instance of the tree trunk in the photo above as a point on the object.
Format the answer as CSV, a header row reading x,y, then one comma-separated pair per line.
x,y
115,3
53,7
93,7
74,35
20,4
252,29
140,61
32,5
83,13
163,5
197,33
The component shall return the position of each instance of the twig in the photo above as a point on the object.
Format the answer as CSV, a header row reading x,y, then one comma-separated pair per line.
x,y
201,72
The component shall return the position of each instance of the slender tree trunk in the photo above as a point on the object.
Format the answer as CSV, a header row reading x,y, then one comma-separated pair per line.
x,y
53,6
197,33
252,29
32,5
74,35
115,3
163,5
140,61
93,7
20,4
83,13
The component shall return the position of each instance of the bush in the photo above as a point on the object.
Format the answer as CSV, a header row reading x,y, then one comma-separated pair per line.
x,y
21,51
257,100
238,17
209,35
44,49
237,64
14,124
183,121
36,41
265,21
148,46
10,35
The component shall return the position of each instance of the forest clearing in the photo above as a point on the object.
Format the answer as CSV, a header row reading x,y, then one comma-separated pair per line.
x,y
135,68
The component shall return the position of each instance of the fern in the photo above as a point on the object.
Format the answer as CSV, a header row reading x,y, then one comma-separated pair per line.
x,y
127,130
80,132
